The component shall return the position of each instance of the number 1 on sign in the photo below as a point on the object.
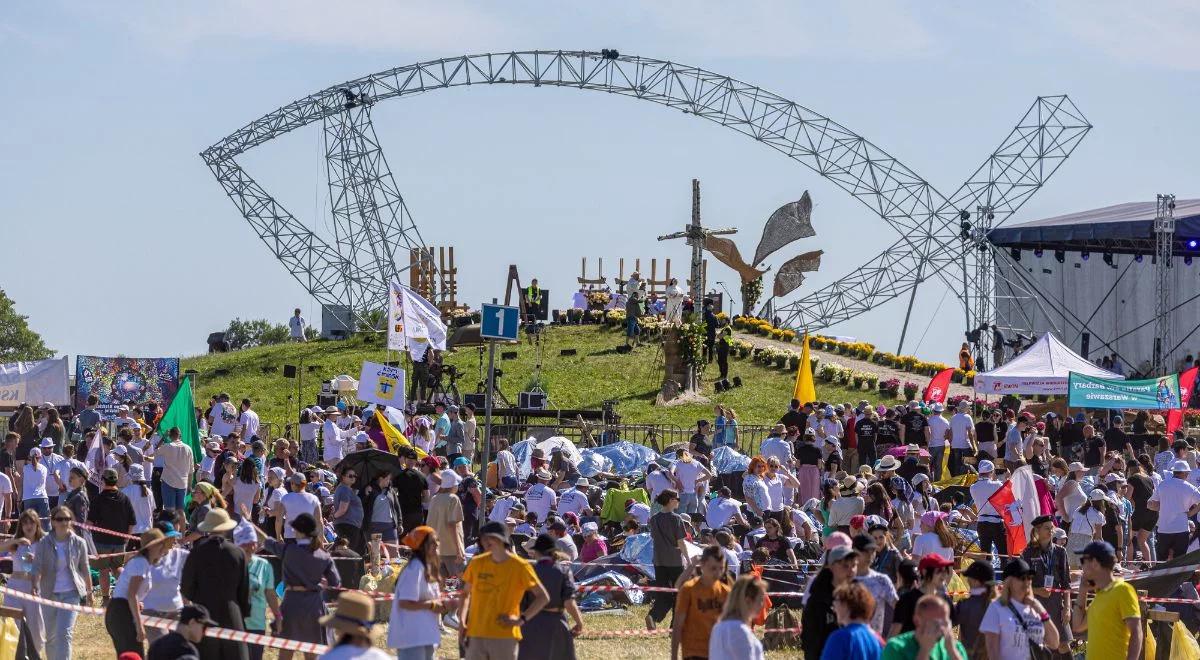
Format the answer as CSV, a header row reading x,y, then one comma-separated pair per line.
x,y
500,319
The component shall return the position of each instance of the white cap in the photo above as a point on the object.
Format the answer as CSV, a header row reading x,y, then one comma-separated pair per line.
x,y
120,450
1113,477
122,408
137,472
450,479
362,438
244,534
1097,495
986,466
1181,466
919,478
1076,467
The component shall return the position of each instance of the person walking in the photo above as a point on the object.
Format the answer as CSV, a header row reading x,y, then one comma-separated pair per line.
x,y
1016,622
1113,619
1176,501
63,574
417,603
227,598
670,550
110,510
347,513
732,638
490,610
123,615
698,604
163,599
547,635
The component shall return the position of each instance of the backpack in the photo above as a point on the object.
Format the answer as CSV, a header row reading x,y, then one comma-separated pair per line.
x,y
782,617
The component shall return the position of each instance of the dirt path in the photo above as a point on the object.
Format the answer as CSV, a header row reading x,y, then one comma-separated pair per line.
x,y
883,372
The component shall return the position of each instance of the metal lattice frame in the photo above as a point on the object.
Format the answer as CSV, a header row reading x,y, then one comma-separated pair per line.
x,y
928,222
1164,234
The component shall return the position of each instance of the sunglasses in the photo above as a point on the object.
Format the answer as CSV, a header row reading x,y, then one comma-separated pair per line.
x,y
61,519
351,475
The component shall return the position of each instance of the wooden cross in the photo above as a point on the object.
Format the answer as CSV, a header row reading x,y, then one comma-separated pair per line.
x,y
696,235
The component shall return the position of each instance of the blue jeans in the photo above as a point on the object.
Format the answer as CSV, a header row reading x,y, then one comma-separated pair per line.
x,y
172,498
42,506
60,625
417,653
688,503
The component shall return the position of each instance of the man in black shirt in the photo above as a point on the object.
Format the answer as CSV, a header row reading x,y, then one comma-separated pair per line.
x,y
888,433
710,330
1143,521
985,435
916,426
410,484
793,417
867,431
1114,438
180,644
1070,440
111,510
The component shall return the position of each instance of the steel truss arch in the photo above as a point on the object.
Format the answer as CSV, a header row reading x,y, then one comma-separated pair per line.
x,y
927,221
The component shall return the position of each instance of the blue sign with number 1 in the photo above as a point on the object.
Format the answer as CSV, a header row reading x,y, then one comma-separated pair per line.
x,y
499,322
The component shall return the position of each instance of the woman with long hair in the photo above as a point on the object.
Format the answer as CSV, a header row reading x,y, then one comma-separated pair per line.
x,y
718,425
55,430
21,549
754,486
123,616
1016,605
877,503
732,638
141,498
24,424
546,635
922,499
776,543
425,437
417,604
935,537
381,508
829,494
887,556
121,459
731,428
1087,525
246,491
65,546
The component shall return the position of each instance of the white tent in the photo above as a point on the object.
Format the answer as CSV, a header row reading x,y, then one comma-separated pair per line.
x,y
1041,369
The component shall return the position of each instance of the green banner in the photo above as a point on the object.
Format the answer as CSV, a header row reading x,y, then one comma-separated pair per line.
x,y
1151,394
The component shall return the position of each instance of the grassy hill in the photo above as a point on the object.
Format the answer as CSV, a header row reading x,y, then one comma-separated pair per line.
x,y
596,373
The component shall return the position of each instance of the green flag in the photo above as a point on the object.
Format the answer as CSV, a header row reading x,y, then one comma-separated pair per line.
x,y
181,414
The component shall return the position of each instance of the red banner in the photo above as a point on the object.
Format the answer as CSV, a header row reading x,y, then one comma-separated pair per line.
x,y
1004,501
938,387
1187,380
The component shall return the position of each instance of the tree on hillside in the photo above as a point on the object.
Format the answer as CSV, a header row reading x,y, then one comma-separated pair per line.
x,y
17,341
259,332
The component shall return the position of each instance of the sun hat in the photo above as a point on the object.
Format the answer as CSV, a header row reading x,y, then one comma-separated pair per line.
x,y
1058,533
543,475
416,536
46,443
1180,466
450,479
582,481
850,484
912,449
137,472
887,463
217,521
938,407
332,410
355,614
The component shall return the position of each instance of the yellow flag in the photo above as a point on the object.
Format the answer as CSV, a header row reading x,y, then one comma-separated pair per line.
x,y
805,390
395,438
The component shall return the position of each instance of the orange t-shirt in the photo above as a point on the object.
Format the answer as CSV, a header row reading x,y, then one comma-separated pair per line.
x,y
701,605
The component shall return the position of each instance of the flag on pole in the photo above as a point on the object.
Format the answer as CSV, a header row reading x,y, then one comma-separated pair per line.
x,y
181,414
938,387
395,438
1017,503
414,323
1187,381
805,390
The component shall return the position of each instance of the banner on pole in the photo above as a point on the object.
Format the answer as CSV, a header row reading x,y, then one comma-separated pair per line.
x,y
118,380
36,382
381,384
938,387
414,324
1150,394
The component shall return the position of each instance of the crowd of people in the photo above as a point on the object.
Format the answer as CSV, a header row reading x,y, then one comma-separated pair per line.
x,y
881,517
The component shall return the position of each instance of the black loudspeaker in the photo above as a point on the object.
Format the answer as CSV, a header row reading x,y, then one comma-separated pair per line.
x,y
477,400
568,352
624,348
289,371
532,400
508,355
326,400
1084,343
541,312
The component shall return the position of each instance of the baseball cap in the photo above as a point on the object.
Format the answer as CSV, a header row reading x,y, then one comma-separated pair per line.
x,y
461,460
1098,495
496,529
1098,550
1017,568
986,466
1076,467
933,561
980,570
193,612
864,543
841,552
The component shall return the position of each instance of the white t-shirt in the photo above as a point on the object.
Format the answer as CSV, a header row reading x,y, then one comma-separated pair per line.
x,y
930,543
506,464
733,640
164,586
270,502
640,512
687,473
774,492
1086,523
55,466
143,507
961,426
1174,497
657,482
572,501
938,426
6,488
777,447
295,504
409,628
224,416
501,508
980,492
720,511
249,422
843,509
1014,640
540,499
833,428
136,567
296,327
33,481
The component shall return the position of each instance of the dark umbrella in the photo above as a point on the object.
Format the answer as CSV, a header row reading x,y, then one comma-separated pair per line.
x,y
369,464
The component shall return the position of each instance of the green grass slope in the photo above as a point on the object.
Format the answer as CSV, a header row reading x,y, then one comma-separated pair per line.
x,y
585,380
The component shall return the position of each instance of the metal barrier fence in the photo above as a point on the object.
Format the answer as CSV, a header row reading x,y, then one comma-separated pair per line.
x,y
655,436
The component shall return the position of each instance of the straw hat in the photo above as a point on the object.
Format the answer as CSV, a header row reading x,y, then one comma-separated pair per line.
x,y
216,521
355,614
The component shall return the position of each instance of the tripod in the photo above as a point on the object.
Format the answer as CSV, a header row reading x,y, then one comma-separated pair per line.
x,y
481,388
537,332
449,393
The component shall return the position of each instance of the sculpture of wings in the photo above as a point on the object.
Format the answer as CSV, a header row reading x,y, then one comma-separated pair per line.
x,y
791,273
726,251
788,223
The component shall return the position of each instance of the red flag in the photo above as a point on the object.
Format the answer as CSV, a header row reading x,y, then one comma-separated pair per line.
x,y
1187,380
938,387
1006,503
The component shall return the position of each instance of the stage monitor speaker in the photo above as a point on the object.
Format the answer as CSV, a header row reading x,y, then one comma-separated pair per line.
x,y
289,371
531,400
326,400
1084,343
568,352
508,355
477,400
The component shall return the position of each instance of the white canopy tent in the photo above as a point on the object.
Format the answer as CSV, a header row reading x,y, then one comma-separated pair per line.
x,y
1041,369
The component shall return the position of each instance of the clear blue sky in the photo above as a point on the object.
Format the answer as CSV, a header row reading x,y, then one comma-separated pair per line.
x,y
118,240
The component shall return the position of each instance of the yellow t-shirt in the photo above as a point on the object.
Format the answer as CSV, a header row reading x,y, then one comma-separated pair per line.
x,y
496,589
1107,634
